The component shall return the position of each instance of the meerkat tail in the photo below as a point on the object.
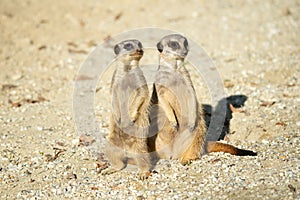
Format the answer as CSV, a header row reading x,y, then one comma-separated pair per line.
x,y
227,148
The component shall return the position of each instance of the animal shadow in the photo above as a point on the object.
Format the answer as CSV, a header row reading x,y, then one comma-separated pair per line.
x,y
213,132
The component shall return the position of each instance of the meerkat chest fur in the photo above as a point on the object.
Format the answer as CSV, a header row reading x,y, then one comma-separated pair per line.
x,y
174,75
175,65
167,73
129,89
128,75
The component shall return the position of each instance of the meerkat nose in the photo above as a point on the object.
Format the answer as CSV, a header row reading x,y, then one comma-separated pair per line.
x,y
140,51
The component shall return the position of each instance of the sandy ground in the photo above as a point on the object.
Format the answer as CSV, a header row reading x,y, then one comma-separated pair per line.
x,y
255,46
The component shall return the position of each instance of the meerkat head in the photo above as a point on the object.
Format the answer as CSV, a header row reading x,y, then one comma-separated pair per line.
x,y
173,45
129,50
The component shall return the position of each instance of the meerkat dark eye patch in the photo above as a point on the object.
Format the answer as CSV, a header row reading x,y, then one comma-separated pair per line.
x,y
160,47
174,45
117,49
128,46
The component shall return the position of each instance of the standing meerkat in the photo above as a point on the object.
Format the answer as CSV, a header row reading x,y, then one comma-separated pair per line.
x,y
127,141
185,129
184,133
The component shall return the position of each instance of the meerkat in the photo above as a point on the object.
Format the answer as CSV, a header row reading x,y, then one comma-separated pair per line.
x,y
127,140
185,126
181,138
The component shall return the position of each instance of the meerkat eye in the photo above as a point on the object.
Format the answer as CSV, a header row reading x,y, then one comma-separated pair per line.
x,y
128,46
174,45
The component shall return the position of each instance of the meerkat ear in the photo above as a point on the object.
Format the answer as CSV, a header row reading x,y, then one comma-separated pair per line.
x,y
160,47
117,49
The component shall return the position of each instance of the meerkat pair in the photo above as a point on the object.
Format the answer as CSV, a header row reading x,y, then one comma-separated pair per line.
x,y
183,134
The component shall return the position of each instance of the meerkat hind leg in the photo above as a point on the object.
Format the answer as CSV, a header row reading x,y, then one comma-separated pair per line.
x,y
189,156
116,158
144,165
195,150
145,171
143,161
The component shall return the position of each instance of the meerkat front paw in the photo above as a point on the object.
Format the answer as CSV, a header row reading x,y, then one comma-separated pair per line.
x,y
192,126
133,118
109,171
117,119
174,125
131,123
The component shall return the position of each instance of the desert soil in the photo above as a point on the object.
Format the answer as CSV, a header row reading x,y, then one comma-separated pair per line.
x,y
255,46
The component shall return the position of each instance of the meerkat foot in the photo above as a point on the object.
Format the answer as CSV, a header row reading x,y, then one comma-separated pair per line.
x,y
144,175
110,170
185,161
187,158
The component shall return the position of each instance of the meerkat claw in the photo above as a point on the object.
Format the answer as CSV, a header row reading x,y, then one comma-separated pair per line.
x,y
132,123
118,120
174,125
144,175
185,162
192,127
